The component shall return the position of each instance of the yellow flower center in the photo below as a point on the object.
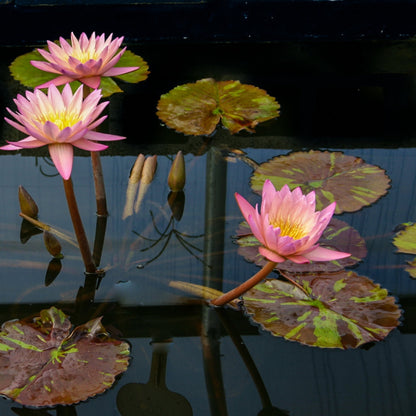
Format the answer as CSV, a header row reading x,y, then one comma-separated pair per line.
x,y
84,56
288,228
61,118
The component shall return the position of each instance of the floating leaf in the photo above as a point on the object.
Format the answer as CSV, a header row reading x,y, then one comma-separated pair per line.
x,y
43,363
197,108
405,239
24,72
337,236
334,310
333,176
411,268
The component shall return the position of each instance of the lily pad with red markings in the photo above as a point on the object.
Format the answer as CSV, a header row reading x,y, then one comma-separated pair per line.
x,y
331,310
44,363
338,235
197,108
333,176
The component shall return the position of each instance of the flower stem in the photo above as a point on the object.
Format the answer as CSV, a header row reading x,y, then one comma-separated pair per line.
x,y
100,197
78,227
248,284
97,170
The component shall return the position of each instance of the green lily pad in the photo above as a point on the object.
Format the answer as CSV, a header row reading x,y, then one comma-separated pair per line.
x,y
338,235
44,363
405,239
24,72
327,310
333,176
197,108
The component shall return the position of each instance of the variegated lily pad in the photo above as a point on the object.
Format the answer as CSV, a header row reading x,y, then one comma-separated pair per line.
x,y
44,363
405,241
333,176
24,72
334,310
337,236
197,108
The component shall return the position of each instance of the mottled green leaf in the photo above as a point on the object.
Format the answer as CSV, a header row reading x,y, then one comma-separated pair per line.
x,y
43,363
197,108
327,310
405,239
337,236
333,176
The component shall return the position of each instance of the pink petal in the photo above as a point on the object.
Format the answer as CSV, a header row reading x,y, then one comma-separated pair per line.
x,y
271,255
112,72
95,135
245,207
90,146
45,66
324,254
92,82
62,155
26,143
63,79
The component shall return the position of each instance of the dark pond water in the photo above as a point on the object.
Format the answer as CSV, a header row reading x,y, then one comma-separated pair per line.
x,y
357,98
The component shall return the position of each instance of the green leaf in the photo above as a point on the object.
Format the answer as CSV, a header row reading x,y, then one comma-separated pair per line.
x,y
130,59
197,108
338,235
333,176
326,310
44,363
24,72
405,239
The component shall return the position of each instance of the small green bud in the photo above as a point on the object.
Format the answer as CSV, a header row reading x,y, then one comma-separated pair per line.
x,y
177,173
27,204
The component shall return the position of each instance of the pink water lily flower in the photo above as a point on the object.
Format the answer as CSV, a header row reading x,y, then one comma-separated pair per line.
x,y
60,121
288,226
85,60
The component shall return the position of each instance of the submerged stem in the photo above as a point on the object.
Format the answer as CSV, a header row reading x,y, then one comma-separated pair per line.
x,y
78,227
248,284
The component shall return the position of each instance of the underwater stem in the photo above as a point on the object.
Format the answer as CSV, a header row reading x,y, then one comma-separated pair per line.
x,y
78,227
248,284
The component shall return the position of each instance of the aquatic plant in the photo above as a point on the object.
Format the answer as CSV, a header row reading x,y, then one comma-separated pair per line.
x,y
288,226
84,59
60,121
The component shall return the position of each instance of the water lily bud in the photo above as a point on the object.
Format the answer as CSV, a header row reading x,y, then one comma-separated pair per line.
x,y
52,244
27,204
177,173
